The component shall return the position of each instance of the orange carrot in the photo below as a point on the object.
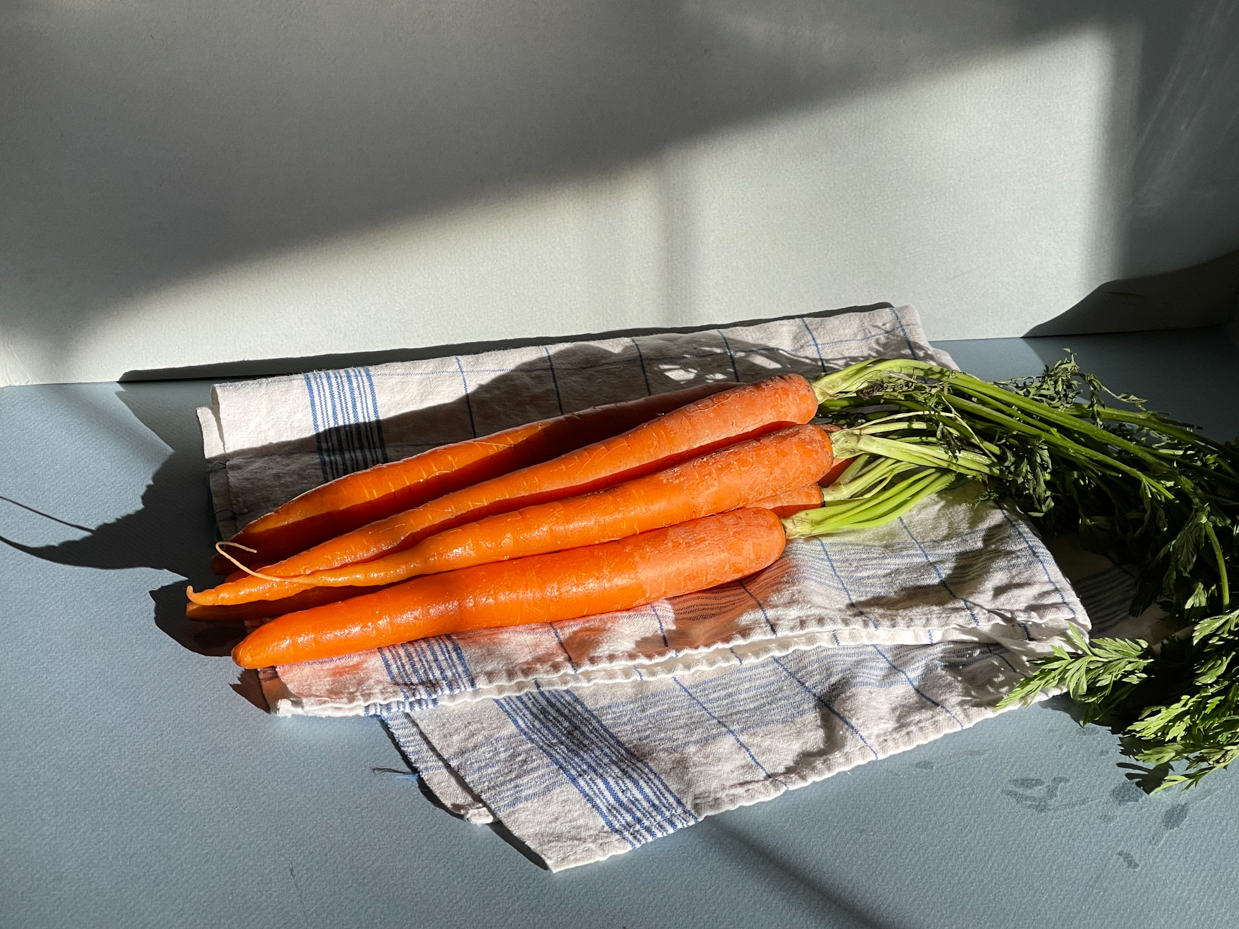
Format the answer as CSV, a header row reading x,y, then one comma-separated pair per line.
x,y
732,477
353,500
701,426
541,588
837,469
790,502
303,599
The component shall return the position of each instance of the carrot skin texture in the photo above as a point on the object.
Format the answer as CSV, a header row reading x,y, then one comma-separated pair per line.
x,y
736,476
352,501
631,572
727,417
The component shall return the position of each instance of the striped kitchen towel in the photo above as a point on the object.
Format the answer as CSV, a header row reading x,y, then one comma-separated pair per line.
x,y
580,774
590,737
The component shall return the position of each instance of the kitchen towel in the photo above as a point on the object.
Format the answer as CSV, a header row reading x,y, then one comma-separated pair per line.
x,y
590,737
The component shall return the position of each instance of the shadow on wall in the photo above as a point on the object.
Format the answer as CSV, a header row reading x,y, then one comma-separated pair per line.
x,y
158,142
153,143
1206,294
266,367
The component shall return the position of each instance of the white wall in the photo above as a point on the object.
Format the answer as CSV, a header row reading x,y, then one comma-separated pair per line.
x,y
189,184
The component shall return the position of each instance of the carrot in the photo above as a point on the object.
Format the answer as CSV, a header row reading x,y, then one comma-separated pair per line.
x,y
303,599
294,596
837,469
792,501
579,582
735,476
299,597
742,412
809,496
353,500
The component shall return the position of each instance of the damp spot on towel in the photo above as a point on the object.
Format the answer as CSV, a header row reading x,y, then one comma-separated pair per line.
x,y
1126,792
1129,860
1173,818
924,765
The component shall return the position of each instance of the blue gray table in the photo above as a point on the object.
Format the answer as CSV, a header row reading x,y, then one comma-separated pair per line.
x,y
140,786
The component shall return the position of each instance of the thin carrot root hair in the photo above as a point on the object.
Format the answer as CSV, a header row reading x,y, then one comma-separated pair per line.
x,y
219,547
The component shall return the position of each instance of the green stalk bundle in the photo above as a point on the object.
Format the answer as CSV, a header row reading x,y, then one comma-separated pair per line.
x,y
1140,488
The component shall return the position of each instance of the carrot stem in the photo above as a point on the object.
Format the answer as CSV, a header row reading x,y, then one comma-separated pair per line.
x,y
871,511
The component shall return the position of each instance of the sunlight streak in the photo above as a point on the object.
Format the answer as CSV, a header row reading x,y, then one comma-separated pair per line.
x,y
985,196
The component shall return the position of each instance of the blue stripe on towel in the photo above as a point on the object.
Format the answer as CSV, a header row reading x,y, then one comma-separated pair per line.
x,y
559,401
816,347
345,416
919,692
1037,552
641,359
731,356
473,428
911,347
631,799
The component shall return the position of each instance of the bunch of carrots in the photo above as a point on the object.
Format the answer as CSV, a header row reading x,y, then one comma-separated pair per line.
x,y
621,505
605,509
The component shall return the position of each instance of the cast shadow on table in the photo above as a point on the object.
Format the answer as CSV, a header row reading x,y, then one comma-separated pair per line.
x,y
172,524
497,827
173,529
792,877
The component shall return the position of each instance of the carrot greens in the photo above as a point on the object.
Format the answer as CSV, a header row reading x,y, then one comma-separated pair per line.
x,y
1143,489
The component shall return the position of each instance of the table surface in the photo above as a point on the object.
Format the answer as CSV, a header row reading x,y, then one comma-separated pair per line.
x,y
142,787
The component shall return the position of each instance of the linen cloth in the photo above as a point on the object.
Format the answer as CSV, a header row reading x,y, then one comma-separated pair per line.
x,y
591,737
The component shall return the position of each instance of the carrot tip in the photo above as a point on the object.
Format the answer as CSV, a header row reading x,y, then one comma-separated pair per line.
x,y
241,656
202,599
